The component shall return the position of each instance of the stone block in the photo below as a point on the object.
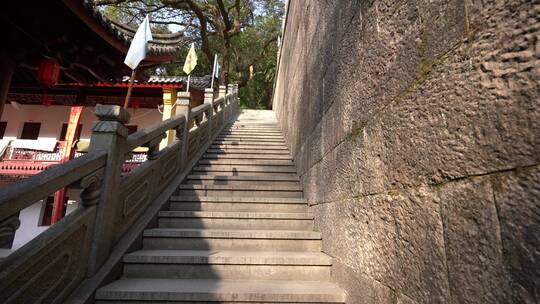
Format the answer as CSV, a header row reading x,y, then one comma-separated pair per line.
x,y
472,243
361,289
517,195
396,105
395,239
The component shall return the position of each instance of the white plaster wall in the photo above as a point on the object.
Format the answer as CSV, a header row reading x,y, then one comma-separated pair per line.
x,y
53,117
31,218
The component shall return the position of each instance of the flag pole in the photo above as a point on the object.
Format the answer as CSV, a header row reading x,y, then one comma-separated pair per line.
x,y
213,72
130,88
188,80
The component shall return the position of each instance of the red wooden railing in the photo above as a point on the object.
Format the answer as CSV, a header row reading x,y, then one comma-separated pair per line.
x,y
29,162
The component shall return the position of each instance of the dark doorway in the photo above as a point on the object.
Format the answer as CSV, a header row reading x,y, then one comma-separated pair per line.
x,y
30,130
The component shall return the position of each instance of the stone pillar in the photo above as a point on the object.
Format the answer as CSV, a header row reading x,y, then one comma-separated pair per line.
x,y
235,94
7,67
209,99
183,106
169,98
222,91
109,134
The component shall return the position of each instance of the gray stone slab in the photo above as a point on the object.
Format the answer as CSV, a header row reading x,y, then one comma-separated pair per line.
x,y
244,178
231,234
263,200
228,257
221,290
235,215
248,162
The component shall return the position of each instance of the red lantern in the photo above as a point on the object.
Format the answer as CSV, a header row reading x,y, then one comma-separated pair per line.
x,y
135,104
48,72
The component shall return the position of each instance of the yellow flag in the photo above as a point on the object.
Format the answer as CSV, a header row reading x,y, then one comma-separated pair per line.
x,y
191,60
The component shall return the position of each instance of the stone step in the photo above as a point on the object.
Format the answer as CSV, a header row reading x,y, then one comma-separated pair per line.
x,y
235,220
229,147
241,191
248,143
254,129
253,137
240,204
257,125
268,180
250,138
239,152
254,133
246,156
161,291
243,169
238,231
247,162
227,264
231,239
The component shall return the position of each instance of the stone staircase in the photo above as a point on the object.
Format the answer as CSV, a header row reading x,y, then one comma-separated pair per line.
x,y
237,232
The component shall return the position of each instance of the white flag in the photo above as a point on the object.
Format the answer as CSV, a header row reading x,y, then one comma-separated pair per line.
x,y
217,69
137,49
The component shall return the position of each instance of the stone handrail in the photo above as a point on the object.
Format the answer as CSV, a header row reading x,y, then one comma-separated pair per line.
x,y
72,258
219,101
27,192
142,137
199,110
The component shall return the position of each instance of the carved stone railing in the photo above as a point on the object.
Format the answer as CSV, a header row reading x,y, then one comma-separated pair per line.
x,y
71,259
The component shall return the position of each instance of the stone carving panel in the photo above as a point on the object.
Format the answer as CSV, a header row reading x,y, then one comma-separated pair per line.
x,y
50,267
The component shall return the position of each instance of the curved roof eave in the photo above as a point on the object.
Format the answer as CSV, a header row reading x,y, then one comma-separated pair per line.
x,y
163,49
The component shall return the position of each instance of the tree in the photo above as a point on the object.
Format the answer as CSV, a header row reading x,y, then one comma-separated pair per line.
x,y
243,32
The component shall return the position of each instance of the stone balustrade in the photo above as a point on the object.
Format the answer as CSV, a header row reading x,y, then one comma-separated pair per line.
x,y
68,261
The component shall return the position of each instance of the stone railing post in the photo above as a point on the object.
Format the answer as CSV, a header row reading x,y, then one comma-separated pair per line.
x,y
169,98
236,97
209,99
109,134
222,92
230,92
183,106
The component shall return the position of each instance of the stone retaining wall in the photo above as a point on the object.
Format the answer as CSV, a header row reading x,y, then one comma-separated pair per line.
x,y
415,126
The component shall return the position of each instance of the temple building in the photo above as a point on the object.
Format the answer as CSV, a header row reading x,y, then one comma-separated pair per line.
x,y
58,60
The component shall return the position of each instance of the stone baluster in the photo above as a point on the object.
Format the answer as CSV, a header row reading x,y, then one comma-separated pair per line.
x,y
153,147
109,134
222,92
236,99
169,98
8,227
183,106
209,99
230,93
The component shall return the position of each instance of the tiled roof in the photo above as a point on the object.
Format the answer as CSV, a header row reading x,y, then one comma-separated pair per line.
x,y
162,44
196,82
